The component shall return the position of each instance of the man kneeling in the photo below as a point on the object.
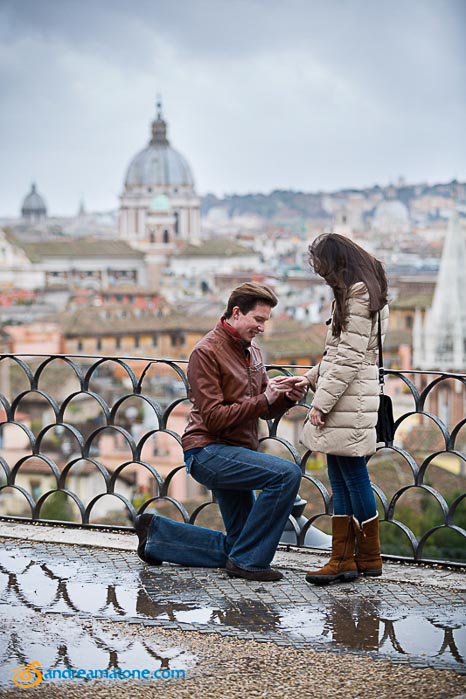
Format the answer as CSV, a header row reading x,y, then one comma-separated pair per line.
x,y
230,390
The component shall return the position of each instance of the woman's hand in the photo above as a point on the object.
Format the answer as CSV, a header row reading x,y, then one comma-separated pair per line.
x,y
299,386
316,417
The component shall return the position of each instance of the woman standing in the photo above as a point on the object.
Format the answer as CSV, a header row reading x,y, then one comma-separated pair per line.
x,y
342,419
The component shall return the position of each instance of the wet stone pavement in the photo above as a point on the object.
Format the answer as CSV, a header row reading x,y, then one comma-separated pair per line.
x,y
62,604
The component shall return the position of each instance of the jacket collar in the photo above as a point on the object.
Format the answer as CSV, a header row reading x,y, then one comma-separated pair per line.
x,y
223,323
231,332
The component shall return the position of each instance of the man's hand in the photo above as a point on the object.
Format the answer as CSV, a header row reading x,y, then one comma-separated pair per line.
x,y
294,387
275,387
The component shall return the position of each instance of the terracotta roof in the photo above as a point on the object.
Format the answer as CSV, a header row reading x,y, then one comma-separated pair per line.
x,y
216,248
293,339
421,300
395,338
94,322
79,247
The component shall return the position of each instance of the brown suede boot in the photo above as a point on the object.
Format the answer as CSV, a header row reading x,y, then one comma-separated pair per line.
x,y
367,556
341,566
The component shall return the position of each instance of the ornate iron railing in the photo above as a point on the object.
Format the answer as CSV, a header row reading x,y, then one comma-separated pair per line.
x,y
67,421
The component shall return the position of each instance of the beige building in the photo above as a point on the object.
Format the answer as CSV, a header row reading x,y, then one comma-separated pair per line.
x,y
199,264
158,206
122,331
17,270
69,262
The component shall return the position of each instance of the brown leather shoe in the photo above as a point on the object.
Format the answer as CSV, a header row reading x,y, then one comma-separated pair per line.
x,y
141,527
267,575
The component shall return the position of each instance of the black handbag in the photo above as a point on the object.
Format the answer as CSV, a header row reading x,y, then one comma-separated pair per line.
x,y
385,427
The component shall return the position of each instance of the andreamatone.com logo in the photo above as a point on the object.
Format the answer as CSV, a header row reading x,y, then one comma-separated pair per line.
x,y
32,674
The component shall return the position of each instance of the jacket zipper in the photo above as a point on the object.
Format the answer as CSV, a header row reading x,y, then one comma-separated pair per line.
x,y
249,380
248,369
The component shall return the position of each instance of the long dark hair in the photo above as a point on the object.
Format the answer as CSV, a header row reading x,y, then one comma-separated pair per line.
x,y
341,262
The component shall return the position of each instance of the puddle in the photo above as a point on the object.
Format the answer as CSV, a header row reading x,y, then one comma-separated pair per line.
x,y
411,634
59,643
39,583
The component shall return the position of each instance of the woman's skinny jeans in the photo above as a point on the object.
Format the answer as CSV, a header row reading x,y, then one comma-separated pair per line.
x,y
351,487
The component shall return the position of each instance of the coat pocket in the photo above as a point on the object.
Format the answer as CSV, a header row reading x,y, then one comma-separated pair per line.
x,y
305,437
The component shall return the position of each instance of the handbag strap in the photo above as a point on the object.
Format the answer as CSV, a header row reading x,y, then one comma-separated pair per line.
x,y
380,362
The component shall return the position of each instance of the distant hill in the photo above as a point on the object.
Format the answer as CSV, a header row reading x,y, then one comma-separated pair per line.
x,y
309,205
268,206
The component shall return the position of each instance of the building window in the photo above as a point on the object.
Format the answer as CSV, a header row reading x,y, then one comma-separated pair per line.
x,y
155,340
98,344
177,340
80,346
117,342
166,236
136,340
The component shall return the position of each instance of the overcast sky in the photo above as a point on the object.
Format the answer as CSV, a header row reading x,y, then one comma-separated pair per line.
x,y
258,94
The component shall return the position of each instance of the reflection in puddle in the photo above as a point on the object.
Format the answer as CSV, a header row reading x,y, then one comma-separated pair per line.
x,y
361,625
36,590
58,643
352,624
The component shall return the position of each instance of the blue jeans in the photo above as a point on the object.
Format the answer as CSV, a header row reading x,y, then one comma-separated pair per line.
x,y
351,487
253,525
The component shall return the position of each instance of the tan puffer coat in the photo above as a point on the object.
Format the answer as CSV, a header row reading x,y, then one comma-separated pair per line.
x,y
345,383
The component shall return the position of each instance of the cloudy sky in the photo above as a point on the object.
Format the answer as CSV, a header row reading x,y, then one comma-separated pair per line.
x,y
258,94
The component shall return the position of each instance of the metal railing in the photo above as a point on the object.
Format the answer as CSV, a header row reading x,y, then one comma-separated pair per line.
x,y
73,422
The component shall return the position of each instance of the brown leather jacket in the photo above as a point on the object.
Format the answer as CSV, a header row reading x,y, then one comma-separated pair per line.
x,y
227,393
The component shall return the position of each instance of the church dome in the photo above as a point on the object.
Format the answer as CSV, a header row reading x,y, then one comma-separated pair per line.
x,y
159,164
33,205
392,215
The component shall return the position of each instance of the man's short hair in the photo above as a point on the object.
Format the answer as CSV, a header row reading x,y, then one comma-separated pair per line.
x,y
247,295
